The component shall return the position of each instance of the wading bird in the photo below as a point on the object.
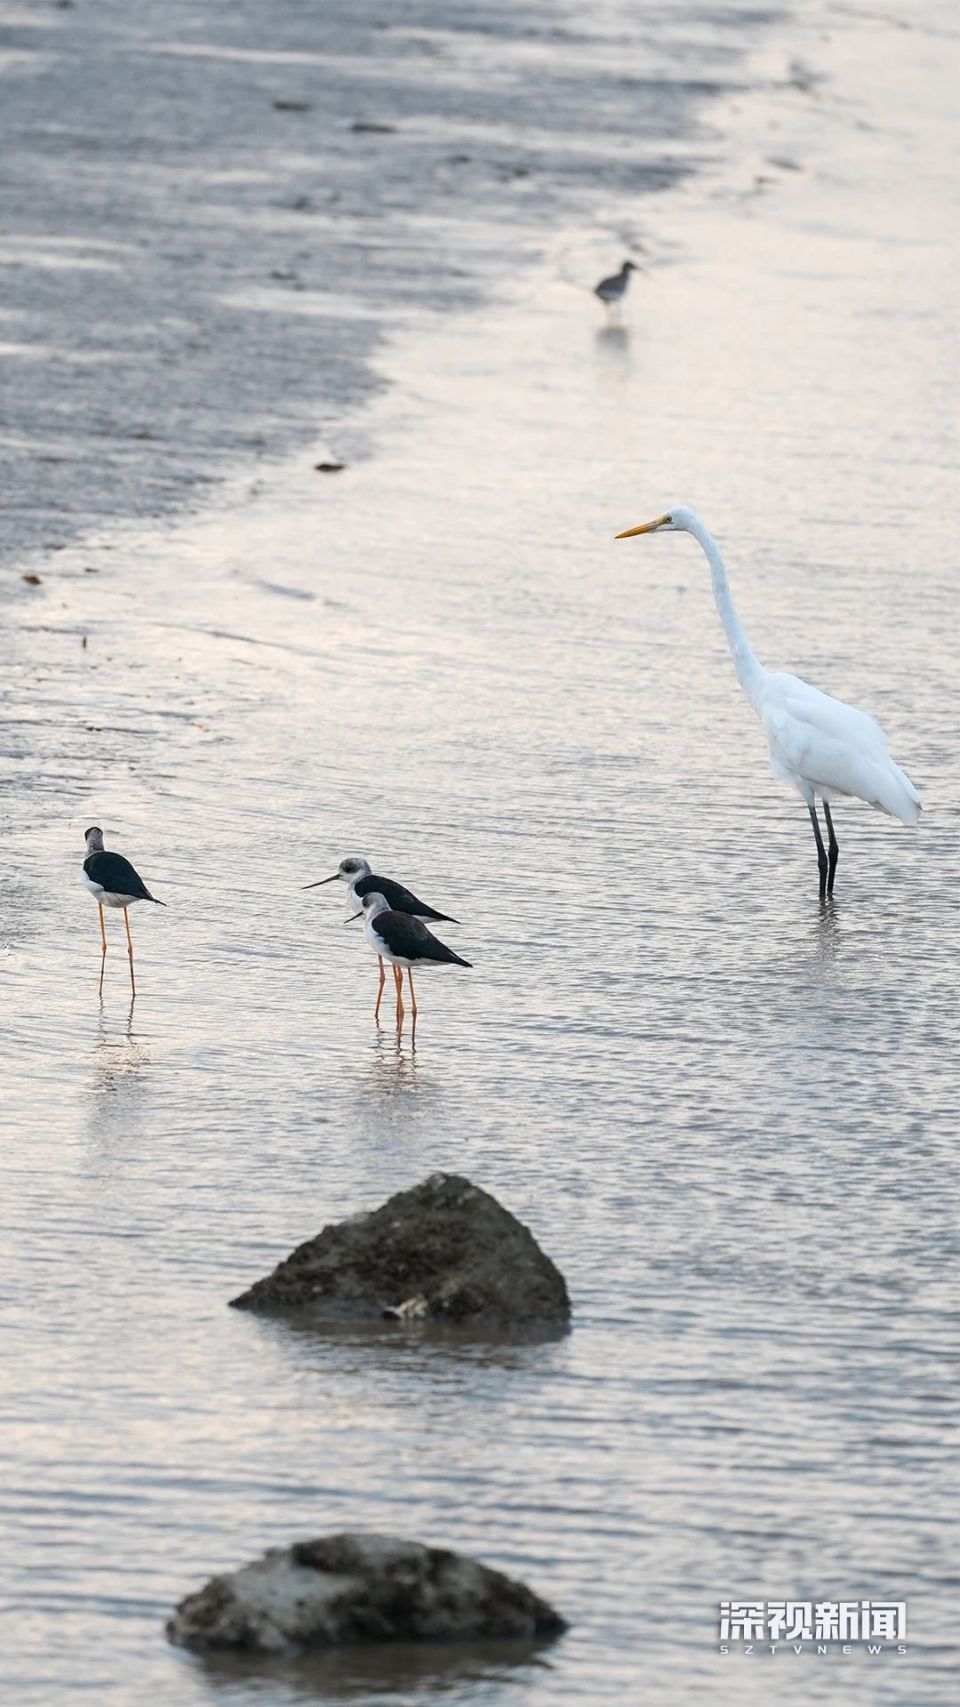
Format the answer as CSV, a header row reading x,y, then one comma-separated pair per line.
x,y
356,874
405,942
612,291
113,882
821,746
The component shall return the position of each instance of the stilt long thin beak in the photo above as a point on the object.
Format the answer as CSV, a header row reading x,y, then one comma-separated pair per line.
x,y
354,916
321,881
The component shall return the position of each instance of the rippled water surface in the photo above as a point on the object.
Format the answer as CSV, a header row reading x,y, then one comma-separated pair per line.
x,y
727,1114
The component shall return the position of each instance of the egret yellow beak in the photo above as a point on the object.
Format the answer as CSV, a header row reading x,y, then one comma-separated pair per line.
x,y
647,527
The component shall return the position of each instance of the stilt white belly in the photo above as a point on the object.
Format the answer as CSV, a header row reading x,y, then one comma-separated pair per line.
x,y
379,946
105,897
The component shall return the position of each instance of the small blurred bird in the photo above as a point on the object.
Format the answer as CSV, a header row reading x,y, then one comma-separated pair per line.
x,y
612,291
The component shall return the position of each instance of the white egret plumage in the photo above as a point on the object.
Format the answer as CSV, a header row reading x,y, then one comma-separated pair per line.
x,y
823,747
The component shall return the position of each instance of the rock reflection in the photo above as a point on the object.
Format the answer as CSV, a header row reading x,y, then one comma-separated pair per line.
x,y
419,1670
423,1344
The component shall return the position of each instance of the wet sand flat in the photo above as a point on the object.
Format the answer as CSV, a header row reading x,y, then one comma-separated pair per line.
x,y
729,1116
212,214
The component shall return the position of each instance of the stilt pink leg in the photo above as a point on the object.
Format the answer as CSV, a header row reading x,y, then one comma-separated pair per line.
x,y
126,918
103,939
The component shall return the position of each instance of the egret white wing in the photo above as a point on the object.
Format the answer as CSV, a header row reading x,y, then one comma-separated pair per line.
x,y
822,714
833,746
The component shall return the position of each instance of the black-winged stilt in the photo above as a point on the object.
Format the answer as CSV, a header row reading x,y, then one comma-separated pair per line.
x,y
113,882
403,940
360,880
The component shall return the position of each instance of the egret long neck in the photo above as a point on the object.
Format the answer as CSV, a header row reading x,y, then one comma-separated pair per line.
x,y
750,672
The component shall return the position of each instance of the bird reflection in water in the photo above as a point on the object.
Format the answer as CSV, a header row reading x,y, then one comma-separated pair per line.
x,y
827,930
394,1065
612,346
119,1058
612,340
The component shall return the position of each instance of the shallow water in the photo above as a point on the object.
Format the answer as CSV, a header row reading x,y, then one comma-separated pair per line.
x,y
726,1114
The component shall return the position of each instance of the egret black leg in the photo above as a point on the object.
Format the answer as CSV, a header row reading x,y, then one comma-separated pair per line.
x,y
834,847
821,852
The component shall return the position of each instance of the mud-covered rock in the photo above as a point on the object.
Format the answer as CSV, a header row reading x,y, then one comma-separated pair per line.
x,y
358,1588
444,1251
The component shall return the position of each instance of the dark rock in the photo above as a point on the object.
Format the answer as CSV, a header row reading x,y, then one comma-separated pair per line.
x,y
358,1588
444,1251
329,467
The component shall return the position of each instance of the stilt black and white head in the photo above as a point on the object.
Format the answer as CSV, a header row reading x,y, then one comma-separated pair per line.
x,y
406,942
113,882
360,880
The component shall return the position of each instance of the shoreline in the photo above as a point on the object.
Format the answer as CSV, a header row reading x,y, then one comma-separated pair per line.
x,y
206,241
731,1121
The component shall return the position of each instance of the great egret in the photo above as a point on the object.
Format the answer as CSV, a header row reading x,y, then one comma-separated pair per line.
x,y
113,882
823,747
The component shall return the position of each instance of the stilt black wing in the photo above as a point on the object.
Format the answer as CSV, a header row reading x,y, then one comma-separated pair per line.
x,y
400,900
409,938
116,875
